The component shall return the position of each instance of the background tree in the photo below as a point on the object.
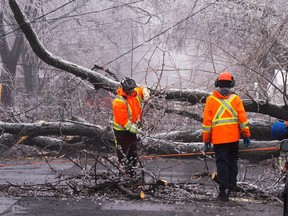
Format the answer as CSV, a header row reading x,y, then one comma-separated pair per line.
x,y
9,55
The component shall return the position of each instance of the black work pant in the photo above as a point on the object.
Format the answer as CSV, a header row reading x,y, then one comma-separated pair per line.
x,y
126,146
226,162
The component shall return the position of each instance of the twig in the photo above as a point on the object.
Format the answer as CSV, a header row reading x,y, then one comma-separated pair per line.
x,y
129,193
73,162
101,162
10,208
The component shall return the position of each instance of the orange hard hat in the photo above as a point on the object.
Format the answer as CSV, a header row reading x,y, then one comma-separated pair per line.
x,y
225,76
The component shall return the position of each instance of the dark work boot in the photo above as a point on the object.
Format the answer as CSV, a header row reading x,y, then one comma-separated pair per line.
x,y
235,188
223,196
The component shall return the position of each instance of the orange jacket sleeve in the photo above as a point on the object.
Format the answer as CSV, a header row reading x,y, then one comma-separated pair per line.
x,y
242,118
207,121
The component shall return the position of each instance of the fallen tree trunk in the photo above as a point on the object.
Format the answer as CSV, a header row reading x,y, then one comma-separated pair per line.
x,y
155,148
53,128
54,145
74,136
97,138
258,151
259,131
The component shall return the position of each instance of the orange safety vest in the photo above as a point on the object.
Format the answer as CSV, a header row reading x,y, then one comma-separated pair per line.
x,y
127,110
224,118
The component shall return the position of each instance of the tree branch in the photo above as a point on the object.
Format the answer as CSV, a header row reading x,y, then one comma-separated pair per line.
x,y
98,80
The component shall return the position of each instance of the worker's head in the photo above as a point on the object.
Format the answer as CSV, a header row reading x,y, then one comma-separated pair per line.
x,y
225,80
128,85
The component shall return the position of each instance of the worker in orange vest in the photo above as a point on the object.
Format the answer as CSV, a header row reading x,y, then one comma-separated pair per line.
x,y
224,119
127,121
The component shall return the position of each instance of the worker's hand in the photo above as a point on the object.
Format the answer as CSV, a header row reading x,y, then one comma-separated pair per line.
x,y
246,142
207,147
146,94
134,129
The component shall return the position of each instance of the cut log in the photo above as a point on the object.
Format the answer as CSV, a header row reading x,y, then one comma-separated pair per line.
x,y
258,151
53,128
133,195
259,131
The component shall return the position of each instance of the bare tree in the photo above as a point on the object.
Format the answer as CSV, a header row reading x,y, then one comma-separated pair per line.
x,y
9,53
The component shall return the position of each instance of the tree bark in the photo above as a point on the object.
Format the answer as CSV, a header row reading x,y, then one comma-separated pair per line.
x,y
101,139
53,128
9,57
97,138
259,131
258,151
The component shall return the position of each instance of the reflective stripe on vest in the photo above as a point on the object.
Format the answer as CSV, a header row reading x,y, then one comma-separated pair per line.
x,y
225,104
206,128
244,125
139,98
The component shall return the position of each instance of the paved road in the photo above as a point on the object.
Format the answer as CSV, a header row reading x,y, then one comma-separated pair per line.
x,y
172,170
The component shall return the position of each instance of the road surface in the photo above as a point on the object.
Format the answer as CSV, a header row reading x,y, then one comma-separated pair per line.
x,y
19,172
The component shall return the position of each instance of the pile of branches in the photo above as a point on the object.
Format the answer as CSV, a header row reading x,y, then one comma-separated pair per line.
x,y
100,176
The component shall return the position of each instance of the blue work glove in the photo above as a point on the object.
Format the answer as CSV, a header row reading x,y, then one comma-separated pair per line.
x,y
207,147
246,142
